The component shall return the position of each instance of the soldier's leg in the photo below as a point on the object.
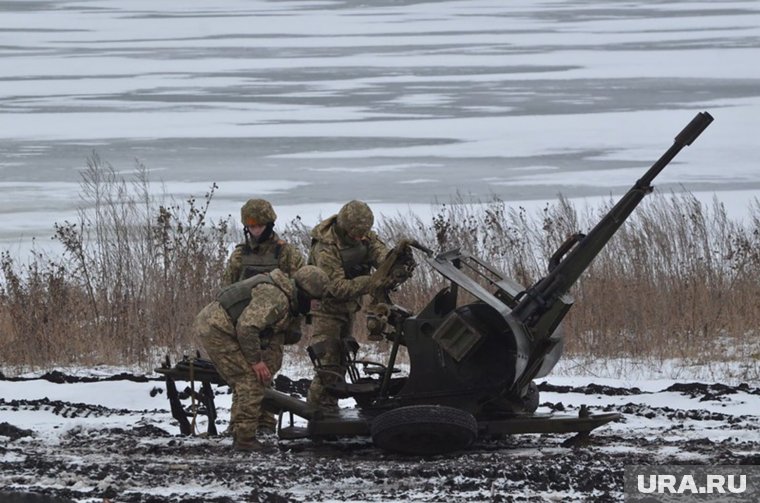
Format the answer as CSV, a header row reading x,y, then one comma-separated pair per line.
x,y
267,422
247,392
247,395
232,366
327,332
250,393
272,356
217,343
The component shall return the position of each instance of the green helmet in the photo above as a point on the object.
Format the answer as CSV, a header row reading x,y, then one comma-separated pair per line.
x,y
355,218
312,280
257,212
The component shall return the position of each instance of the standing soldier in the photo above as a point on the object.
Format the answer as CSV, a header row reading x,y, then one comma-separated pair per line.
x,y
243,332
345,248
262,252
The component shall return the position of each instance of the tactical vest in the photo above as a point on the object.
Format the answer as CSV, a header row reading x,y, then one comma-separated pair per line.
x,y
258,263
235,297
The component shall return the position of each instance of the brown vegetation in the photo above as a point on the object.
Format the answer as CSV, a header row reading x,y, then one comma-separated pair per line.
x,y
678,280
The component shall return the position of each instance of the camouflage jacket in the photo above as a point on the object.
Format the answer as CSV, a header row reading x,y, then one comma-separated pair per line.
x,y
272,312
286,257
344,292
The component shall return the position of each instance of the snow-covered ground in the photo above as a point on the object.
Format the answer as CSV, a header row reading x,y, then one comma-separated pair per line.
x,y
310,104
116,440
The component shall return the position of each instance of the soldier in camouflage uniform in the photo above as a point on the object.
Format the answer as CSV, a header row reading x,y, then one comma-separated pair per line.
x,y
262,251
345,248
243,332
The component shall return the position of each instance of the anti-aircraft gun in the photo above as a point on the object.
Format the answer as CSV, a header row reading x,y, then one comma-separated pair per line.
x,y
472,366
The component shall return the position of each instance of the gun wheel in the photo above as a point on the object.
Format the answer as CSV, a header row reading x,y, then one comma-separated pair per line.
x,y
424,429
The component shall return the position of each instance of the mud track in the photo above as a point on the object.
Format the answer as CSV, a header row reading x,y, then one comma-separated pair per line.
x,y
145,463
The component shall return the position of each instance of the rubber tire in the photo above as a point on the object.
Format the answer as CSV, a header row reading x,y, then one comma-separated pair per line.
x,y
531,398
424,429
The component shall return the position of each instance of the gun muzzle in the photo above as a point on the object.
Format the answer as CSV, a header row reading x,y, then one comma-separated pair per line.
x,y
694,128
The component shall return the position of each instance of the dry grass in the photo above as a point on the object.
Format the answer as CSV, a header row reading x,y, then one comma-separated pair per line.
x,y
135,271
679,280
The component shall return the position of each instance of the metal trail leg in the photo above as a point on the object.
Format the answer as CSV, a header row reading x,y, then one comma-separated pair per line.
x,y
208,400
178,412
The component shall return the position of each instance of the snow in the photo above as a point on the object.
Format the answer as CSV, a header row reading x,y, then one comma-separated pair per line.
x,y
658,424
551,96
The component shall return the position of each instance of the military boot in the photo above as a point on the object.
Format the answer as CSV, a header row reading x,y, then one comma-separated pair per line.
x,y
248,445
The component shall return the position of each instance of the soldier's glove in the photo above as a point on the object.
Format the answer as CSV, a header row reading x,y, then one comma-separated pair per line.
x,y
403,268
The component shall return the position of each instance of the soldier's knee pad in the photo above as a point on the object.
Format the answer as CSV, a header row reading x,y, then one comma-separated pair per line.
x,y
325,352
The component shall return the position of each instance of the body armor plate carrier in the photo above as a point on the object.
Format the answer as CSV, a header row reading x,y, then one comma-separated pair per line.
x,y
235,297
258,263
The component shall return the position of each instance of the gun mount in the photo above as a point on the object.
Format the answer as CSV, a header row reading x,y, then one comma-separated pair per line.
x,y
472,366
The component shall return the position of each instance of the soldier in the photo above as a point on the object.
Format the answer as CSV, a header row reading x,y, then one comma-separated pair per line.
x,y
345,248
262,250
243,332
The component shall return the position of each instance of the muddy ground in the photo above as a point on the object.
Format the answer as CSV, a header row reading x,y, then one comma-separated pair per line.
x,y
149,462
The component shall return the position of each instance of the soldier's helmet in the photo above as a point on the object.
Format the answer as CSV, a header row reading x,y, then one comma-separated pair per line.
x,y
312,280
355,218
257,212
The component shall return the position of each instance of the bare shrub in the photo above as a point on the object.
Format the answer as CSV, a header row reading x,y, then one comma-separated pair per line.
x,y
679,279
134,272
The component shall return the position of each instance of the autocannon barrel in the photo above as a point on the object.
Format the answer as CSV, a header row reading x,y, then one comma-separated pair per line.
x,y
576,255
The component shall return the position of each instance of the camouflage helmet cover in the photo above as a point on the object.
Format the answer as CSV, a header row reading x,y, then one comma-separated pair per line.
x,y
257,212
312,280
355,218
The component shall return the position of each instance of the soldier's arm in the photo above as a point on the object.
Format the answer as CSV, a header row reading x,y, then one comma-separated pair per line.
x,y
290,260
377,250
268,306
234,266
328,259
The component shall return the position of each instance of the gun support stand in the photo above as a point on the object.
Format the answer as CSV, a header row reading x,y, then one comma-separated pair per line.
x,y
178,412
398,315
582,437
390,368
205,399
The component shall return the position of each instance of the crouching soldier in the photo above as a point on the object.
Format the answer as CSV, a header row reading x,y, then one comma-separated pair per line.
x,y
243,332
262,251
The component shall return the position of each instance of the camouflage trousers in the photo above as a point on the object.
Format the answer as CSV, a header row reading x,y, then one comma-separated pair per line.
x,y
330,330
216,332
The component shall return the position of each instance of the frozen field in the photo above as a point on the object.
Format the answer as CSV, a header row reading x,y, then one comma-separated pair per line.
x,y
402,104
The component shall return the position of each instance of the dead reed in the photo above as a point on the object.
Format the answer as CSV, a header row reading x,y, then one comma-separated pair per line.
x,y
134,272
679,280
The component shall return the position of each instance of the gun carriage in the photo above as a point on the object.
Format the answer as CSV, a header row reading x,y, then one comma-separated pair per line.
x,y
471,367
